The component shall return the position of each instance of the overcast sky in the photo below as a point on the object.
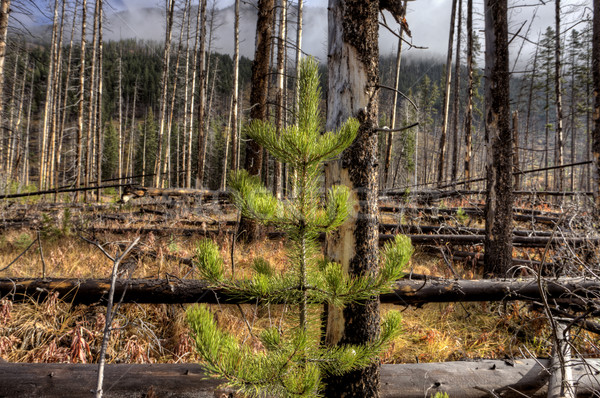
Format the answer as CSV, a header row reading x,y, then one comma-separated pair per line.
x,y
428,21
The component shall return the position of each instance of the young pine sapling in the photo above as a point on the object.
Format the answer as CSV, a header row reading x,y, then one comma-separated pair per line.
x,y
294,361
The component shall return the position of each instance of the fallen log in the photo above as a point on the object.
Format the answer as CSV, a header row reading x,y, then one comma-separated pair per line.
x,y
465,379
437,194
133,192
406,292
447,230
524,241
58,190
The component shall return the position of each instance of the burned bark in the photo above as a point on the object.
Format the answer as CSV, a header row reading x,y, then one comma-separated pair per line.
x,y
596,113
466,379
499,200
250,230
406,291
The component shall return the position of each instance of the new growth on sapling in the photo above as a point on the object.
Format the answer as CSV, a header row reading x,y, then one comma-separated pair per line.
x,y
293,361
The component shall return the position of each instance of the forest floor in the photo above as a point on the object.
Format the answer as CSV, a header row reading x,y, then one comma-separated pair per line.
x,y
57,331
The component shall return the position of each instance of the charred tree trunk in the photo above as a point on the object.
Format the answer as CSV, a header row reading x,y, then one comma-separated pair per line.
x,y
4,15
163,96
258,100
464,379
516,167
190,135
443,132
528,158
55,103
558,90
91,103
260,79
167,169
499,200
353,75
235,100
201,99
456,102
469,113
280,111
99,122
48,104
389,137
596,113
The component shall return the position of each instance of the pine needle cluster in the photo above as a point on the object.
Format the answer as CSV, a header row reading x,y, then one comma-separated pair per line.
x,y
294,361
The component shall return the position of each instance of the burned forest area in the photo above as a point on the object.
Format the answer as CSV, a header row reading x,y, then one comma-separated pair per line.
x,y
289,198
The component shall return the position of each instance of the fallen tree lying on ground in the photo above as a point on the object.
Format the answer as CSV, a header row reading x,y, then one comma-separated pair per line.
x,y
406,291
466,379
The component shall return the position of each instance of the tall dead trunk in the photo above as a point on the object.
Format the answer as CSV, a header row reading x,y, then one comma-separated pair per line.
x,y
65,99
299,23
279,92
226,156
121,121
43,169
167,166
201,99
163,97
190,134
81,100
529,107
16,148
129,166
547,134
4,16
596,112
258,100
389,137
353,69
260,79
469,112
516,167
499,200
456,102
573,124
235,98
56,80
186,104
26,174
7,165
99,123
92,102
443,132
558,90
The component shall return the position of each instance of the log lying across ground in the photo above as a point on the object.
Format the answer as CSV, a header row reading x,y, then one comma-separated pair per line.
x,y
133,192
417,239
414,292
472,379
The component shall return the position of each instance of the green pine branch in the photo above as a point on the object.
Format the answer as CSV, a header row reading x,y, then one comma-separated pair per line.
x,y
294,361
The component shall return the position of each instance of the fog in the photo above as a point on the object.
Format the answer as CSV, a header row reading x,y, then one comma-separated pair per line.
x,y
428,21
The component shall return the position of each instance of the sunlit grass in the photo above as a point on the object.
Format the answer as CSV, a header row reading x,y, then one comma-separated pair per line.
x,y
55,331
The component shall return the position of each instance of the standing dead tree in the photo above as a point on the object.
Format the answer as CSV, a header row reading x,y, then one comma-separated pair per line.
x,y
110,311
558,91
258,99
596,113
456,101
4,16
201,71
163,96
443,133
389,138
353,75
469,111
499,200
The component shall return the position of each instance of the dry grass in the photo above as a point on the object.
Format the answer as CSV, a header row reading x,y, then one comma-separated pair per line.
x,y
55,331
